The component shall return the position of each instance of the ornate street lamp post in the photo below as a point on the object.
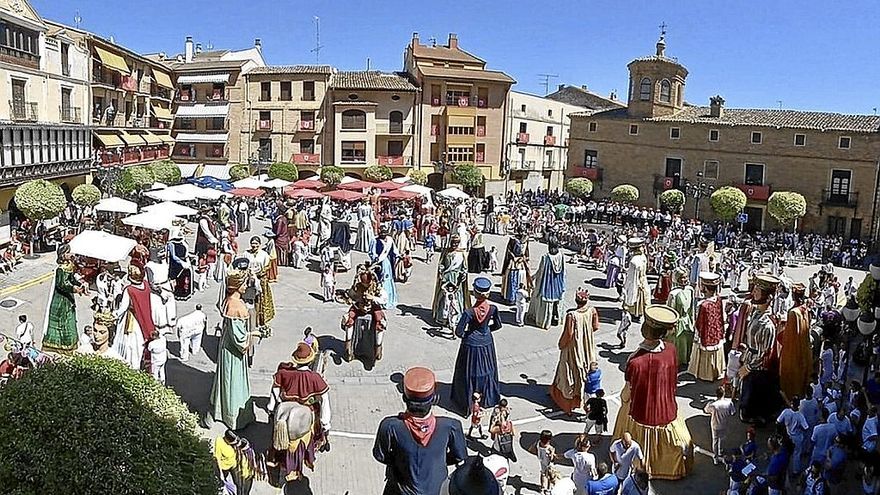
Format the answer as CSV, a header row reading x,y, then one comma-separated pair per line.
x,y
698,190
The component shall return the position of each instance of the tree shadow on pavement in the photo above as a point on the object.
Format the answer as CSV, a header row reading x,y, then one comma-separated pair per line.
x,y
424,314
211,346
191,384
618,358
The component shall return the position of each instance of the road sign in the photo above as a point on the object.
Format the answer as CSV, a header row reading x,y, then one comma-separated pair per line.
x,y
742,218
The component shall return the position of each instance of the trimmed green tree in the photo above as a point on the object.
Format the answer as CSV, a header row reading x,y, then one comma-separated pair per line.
x,y
579,187
86,195
727,202
165,171
332,175
239,172
40,200
625,193
469,176
377,173
89,424
673,200
418,176
786,207
135,179
284,171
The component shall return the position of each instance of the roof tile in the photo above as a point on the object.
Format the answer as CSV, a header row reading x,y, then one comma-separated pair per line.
x,y
292,69
366,80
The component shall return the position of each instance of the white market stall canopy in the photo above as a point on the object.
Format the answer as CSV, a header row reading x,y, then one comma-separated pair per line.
x,y
171,194
216,77
170,208
208,193
347,179
249,182
152,220
216,171
423,190
402,180
196,192
454,193
276,183
102,246
117,205
187,170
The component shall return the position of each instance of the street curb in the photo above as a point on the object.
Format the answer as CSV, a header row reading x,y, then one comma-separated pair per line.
x,y
26,285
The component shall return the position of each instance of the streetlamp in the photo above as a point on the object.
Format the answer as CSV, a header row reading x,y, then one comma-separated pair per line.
x,y
699,190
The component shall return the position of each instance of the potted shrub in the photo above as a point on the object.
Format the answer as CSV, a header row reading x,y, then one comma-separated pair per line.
x,y
727,202
332,175
786,207
284,171
579,187
165,171
673,200
469,176
625,193
86,195
377,173
239,172
418,176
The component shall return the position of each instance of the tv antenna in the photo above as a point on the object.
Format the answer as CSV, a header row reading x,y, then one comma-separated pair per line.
x,y
546,81
318,45
77,20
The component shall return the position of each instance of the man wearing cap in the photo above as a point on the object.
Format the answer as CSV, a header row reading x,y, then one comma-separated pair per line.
x,y
476,367
294,381
707,359
796,355
577,349
648,410
416,446
635,284
760,399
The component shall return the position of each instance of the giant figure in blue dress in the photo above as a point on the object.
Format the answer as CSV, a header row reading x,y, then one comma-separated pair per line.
x,y
384,253
476,367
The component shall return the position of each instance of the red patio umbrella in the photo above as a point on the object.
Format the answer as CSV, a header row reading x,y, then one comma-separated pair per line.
x,y
309,184
302,193
343,195
247,191
357,185
400,195
389,185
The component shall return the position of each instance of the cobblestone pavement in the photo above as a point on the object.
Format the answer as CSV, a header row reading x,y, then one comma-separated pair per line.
x,y
360,397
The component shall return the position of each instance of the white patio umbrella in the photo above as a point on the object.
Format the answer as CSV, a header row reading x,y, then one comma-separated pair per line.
x,y
208,193
347,179
102,246
401,180
117,205
249,182
193,192
276,183
170,208
454,193
152,220
423,190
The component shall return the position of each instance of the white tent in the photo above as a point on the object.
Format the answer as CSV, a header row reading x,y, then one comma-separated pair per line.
x,y
170,208
249,182
169,194
158,185
402,180
454,193
192,192
101,245
423,190
276,183
347,179
152,220
117,205
208,193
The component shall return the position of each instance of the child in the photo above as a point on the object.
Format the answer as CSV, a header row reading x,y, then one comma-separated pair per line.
x,y
210,265
750,448
202,274
815,386
493,259
328,282
451,308
158,348
625,322
501,430
546,454
734,361
594,380
476,417
842,362
310,340
522,304
597,413
430,242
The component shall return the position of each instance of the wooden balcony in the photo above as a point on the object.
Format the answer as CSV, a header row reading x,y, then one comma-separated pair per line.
x,y
306,159
522,138
592,173
263,125
19,57
755,192
549,140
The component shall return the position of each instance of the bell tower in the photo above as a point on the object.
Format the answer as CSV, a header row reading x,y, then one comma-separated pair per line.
x,y
656,83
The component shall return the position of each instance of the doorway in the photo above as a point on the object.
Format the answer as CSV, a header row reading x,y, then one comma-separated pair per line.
x,y
756,218
673,169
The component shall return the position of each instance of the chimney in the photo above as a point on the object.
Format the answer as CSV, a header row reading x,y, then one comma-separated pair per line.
x,y
161,55
258,44
584,87
716,107
614,95
453,41
188,50
198,48
415,38
560,87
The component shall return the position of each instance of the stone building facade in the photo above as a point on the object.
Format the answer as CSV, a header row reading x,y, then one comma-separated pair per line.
x,y
659,142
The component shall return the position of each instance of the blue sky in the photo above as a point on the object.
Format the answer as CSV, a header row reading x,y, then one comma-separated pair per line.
x,y
808,54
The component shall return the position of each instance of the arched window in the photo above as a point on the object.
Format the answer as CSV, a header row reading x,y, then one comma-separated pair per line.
x,y
645,90
665,89
395,122
354,119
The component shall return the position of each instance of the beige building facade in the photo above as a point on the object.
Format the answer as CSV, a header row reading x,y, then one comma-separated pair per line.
x,y
462,110
658,142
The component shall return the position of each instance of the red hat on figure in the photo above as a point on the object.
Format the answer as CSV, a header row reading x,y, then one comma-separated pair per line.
x,y
419,384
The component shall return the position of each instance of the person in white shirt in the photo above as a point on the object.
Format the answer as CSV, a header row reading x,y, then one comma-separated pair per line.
x,y
840,421
869,432
720,411
522,304
190,329
158,348
625,452
796,426
584,463
822,438
24,332
85,341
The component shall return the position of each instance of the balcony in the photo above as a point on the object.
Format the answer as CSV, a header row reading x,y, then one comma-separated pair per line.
x,y
435,130
263,125
592,173
481,131
19,57
522,138
212,96
755,192
306,159
392,160
23,110
306,125
549,140
70,114
522,165
395,129
480,157
841,198
186,97
465,101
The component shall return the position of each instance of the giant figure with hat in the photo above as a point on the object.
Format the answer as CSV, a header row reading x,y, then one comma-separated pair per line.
x,y
134,317
707,357
577,349
231,400
60,333
796,354
648,410
759,400
367,299
635,282
515,268
301,412
451,294
476,367
415,446
549,288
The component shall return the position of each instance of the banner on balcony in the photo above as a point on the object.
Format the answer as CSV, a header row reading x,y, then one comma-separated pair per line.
x,y
129,83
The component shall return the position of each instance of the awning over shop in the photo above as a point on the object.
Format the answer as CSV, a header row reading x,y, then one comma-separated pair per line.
x,y
186,137
112,61
110,139
460,121
216,171
187,169
161,112
162,79
202,110
150,138
218,77
166,138
132,139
